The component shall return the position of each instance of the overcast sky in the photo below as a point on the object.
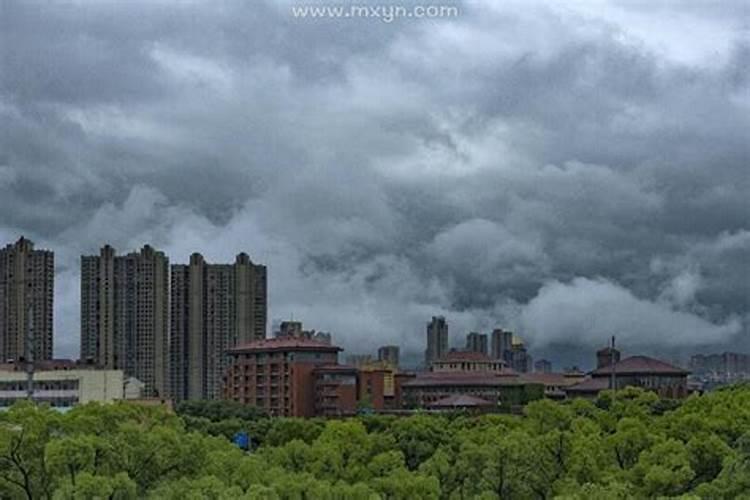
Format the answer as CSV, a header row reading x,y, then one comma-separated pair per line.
x,y
569,170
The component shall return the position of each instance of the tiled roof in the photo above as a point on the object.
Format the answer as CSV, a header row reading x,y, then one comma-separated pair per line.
x,y
285,344
435,379
641,365
553,379
460,401
590,385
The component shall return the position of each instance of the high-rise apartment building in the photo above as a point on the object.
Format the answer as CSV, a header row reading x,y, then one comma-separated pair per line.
x,y
501,345
125,316
476,342
437,340
27,279
214,308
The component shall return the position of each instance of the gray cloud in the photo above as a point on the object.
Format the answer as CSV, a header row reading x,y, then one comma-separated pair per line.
x,y
524,164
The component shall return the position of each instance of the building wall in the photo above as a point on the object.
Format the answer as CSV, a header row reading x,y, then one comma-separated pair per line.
x,y
214,307
437,339
501,345
281,383
372,387
335,393
125,316
63,388
26,284
477,342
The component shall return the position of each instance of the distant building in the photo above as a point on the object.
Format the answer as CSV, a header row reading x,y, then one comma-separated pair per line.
x,y
427,389
213,307
358,360
437,340
501,345
521,360
465,361
389,354
125,314
477,342
27,278
635,371
555,384
542,366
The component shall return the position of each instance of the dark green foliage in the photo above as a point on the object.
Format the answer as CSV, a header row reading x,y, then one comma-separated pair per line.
x,y
625,446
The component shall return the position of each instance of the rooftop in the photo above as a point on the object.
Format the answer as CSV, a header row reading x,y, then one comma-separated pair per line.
x,y
590,385
636,365
465,356
285,344
434,379
460,401
552,379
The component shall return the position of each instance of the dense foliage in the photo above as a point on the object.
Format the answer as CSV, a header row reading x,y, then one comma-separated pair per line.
x,y
631,446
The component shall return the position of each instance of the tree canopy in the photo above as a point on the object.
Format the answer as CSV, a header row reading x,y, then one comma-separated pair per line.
x,y
631,446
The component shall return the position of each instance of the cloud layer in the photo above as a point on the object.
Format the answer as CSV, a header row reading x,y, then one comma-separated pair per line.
x,y
564,171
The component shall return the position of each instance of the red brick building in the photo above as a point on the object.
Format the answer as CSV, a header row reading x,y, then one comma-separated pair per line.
x,y
299,377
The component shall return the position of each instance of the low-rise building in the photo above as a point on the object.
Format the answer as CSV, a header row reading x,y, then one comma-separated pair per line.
x,y
508,390
655,375
62,388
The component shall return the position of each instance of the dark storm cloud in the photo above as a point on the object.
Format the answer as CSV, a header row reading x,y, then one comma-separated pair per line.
x,y
558,170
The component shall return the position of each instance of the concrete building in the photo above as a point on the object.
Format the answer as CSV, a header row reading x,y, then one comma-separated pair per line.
x,y
468,362
501,345
62,387
521,360
125,314
214,307
389,354
437,340
477,342
27,279
336,391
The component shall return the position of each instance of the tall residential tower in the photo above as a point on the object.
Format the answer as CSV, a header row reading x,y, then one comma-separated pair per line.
x,y
437,340
124,314
27,278
214,308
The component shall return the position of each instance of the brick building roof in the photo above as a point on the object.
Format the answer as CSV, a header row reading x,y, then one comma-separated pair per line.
x,y
590,385
640,365
460,401
552,379
284,344
436,379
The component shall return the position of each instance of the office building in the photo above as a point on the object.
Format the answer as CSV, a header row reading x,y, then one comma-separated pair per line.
x,y
214,307
125,315
521,360
437,340
389,354
26,293
477,342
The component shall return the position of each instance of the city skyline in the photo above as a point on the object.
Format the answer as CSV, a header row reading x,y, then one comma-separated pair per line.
x,y
562,171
